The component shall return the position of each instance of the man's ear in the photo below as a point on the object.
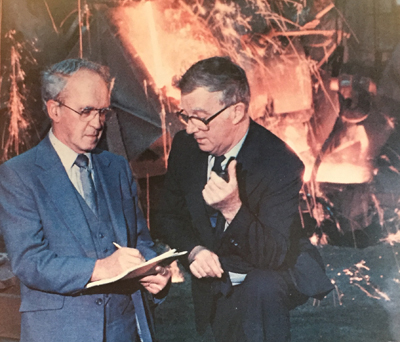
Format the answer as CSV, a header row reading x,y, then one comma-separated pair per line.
x,y
239,112
53,109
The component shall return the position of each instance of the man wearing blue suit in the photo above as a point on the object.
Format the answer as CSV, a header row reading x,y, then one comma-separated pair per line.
x,y
62,205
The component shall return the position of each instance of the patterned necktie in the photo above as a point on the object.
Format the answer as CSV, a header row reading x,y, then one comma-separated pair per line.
x,y
89,192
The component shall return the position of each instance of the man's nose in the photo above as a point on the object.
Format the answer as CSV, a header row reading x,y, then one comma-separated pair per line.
x,y
97,122
191,127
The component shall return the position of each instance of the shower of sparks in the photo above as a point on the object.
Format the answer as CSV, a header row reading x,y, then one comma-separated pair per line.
x,y
361,280
170,36
18,124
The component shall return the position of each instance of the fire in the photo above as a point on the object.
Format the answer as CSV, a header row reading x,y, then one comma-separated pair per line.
x,y
169,36
167,40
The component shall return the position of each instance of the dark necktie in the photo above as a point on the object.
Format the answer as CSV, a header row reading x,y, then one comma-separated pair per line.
x,y
89,192
217,168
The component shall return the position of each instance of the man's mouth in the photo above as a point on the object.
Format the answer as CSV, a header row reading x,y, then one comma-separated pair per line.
x,y
94,134
198,138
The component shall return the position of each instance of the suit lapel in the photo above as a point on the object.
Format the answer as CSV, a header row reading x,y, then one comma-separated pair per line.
x,y
110,180
248,177
56,183
249,162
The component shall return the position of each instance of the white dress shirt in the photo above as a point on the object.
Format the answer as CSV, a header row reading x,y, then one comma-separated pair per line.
x,y
236,278
68,157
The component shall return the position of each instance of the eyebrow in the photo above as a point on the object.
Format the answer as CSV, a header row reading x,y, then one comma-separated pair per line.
x,y
200,111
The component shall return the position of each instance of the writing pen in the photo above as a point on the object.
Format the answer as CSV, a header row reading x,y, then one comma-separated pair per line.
x,y
117,245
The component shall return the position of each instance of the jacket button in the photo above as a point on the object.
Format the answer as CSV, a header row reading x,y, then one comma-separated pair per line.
x,y
101,235
99,301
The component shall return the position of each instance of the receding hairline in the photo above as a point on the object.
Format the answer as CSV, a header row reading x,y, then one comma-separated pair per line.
x,y
66,78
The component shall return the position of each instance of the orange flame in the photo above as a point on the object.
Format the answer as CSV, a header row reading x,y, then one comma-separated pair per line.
x,y
170,36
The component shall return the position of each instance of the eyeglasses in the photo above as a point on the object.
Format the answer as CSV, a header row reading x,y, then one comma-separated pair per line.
x,y
200,123
88,113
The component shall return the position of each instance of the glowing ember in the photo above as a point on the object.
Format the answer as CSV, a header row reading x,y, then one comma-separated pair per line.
x,y
362,281
318,240
392,238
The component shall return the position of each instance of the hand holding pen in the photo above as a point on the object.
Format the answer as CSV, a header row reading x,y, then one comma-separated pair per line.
x,y
159,269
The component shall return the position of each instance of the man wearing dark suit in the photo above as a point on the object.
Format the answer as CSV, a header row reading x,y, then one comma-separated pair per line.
x,y
251,264
62,205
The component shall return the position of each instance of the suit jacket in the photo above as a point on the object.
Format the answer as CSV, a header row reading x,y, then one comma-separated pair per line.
x,y
50,245
262,235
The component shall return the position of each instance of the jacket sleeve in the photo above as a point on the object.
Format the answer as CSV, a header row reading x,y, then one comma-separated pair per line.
x,y
32,261
173,220
260,232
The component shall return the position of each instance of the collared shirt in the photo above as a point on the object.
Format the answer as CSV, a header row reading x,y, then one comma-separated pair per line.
x,y
68,157
233,152
236,278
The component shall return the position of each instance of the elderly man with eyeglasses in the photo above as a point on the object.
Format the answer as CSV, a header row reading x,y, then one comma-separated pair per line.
x,y
64,207
250,260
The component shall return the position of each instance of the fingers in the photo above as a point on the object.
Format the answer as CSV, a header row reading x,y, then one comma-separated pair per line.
x,y
155,283
152,288
206,264
128,257
118,262
162,270
218,189
215,190
132,252
232,171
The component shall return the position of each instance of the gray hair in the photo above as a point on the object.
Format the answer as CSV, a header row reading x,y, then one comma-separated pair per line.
x,y
55,78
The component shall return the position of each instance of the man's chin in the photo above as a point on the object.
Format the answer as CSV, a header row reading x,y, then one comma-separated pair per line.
x,y
90,147
92,141
205,148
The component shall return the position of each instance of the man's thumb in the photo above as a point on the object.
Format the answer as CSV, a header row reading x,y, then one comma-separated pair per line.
x,y
232,170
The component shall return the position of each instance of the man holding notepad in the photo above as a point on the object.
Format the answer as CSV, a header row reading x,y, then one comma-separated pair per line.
x,y
62,206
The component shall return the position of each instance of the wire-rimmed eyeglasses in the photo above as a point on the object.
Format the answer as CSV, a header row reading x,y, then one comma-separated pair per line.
x,y
88,113
200,123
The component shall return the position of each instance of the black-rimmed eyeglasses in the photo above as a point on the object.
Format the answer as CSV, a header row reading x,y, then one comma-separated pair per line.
x,y
200,123
88,113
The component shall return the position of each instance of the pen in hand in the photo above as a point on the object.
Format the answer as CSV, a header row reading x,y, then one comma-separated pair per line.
x,y
136,252
117,245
